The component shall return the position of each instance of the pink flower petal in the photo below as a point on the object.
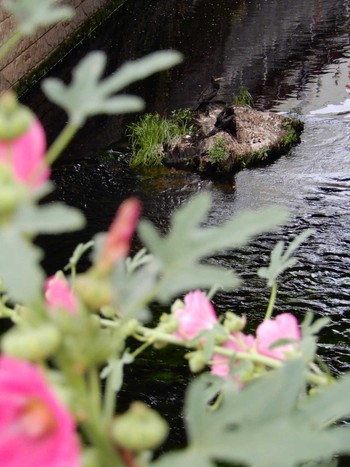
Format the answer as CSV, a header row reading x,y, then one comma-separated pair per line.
x,y
59,295
35,428
239,342
197,315
119,236
26,156
284,326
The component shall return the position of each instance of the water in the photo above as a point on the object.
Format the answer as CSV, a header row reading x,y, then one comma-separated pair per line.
x,y
289,62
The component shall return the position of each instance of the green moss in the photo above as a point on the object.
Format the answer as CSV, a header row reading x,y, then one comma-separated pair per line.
x,y
67,45
151,133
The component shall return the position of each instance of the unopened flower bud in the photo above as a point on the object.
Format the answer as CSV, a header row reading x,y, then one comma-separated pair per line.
x,y
94,291
32,344
168,323
130,327
140,428
196,361
12,193
233,322
177,305
15,119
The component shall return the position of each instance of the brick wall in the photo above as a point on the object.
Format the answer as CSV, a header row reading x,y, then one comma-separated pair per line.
x,y
32,51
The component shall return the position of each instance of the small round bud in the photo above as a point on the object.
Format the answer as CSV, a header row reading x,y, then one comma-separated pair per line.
x,y
15,119
140,428
168,323
233,322
196,361
177,305
130,327
12,193
94,291
32,344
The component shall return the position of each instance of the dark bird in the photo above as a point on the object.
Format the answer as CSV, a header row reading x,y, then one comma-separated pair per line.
x,y
225,121
208,94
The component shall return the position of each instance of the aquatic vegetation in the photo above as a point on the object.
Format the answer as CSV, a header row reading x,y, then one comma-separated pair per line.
x,y
243,97
218,152
151,133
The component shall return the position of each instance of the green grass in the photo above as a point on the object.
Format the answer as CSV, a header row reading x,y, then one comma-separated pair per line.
x,y
218,152
151,132
243,98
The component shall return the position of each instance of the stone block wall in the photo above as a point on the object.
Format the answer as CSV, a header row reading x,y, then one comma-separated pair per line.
x,y
32,51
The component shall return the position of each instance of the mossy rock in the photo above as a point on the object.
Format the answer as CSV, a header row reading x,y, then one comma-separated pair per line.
x,y
260,137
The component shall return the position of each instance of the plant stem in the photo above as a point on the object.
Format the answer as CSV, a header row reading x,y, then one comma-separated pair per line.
x,y
142,347
312,378
98,438
10,43
109,399
271,301
61,142
94,392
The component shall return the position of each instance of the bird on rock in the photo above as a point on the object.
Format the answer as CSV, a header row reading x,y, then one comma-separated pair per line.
x,y
225,121
208,94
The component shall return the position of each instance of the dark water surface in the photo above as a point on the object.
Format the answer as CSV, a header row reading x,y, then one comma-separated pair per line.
x,y
292,56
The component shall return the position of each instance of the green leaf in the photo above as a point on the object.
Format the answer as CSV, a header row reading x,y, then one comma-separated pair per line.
x,y
265,424
48,219
182,251
132,292
190,457
78,252
280,261
329,405
19,266
115,369
89,94
31,15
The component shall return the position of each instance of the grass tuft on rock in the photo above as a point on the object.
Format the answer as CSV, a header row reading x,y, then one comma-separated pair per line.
x,y
151,133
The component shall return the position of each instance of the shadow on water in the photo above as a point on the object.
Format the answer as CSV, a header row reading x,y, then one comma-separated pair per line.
x,y
287,61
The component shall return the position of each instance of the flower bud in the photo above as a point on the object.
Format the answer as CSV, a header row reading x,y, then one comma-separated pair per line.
x,y
15,119
12,193
94,291
196,361
177,305
168,323
233,322
140,428
130,327
33,344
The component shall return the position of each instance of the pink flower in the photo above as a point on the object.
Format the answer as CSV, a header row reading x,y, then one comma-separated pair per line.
x,y
35,428
198,314
59,295
26,155
119,236
284,326
238,342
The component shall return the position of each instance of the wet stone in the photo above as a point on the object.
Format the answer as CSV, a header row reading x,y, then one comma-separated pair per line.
x,y
233,137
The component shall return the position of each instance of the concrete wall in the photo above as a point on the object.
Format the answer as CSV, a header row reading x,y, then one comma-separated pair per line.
x,y
32,51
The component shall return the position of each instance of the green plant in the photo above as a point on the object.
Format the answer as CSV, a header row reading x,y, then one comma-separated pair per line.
x,y
243,98
147,136
151,132
218,151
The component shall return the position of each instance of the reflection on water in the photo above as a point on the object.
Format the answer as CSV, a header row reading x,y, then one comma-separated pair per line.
x,y
295,61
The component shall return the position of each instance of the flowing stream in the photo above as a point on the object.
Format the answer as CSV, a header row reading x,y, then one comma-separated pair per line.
x,y
293,57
